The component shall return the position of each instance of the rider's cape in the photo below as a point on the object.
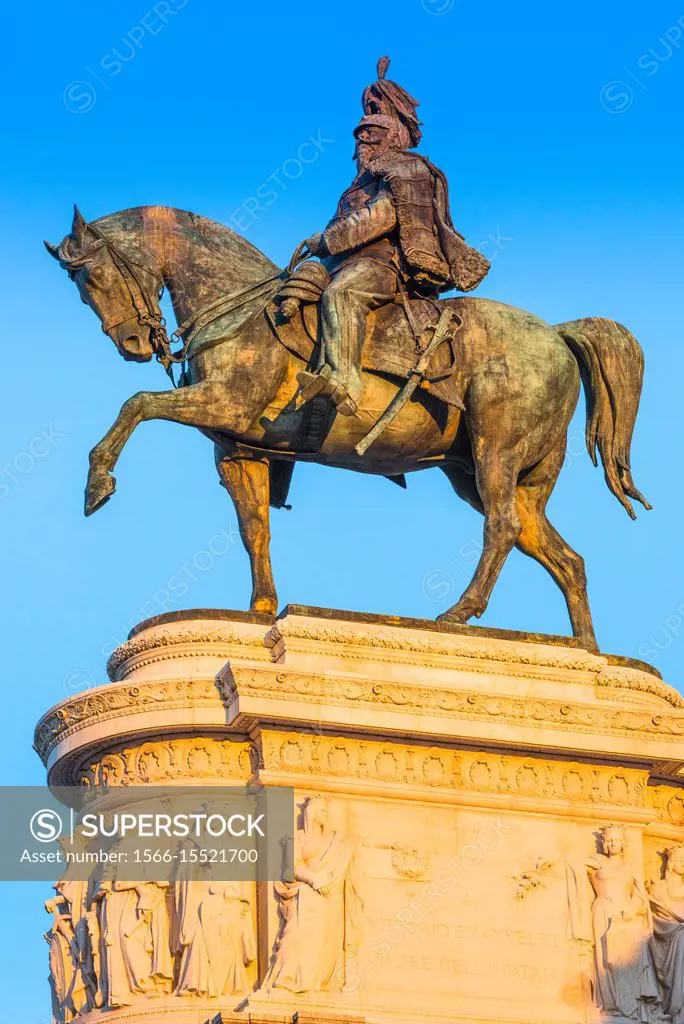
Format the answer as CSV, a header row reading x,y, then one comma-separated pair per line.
x,y
434,251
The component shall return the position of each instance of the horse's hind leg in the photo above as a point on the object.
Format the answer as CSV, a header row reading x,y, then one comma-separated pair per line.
x,y
496,479
541,541
246,478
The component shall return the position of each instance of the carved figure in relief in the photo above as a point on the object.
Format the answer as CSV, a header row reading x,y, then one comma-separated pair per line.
x,y
135,934
77,894
216,937
66,982
667,941
610,921
318,907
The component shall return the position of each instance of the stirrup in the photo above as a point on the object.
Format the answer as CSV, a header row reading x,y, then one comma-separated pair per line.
x,y
344,403
312,384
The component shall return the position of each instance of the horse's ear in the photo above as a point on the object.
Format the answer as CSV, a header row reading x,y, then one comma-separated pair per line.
x,y
79,227
52,249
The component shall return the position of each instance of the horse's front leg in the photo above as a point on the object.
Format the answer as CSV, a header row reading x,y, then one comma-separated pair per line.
x,y
104,456
246,478
204,405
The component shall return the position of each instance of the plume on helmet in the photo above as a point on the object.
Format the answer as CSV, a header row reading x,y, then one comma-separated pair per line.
x,y
386,97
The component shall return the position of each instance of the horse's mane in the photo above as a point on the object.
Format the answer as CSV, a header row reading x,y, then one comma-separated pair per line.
x,y
220,246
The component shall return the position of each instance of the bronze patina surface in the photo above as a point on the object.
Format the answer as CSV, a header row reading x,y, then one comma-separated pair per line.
x,y
273,376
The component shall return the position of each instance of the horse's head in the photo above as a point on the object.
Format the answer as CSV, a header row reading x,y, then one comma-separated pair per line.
x,y
123,291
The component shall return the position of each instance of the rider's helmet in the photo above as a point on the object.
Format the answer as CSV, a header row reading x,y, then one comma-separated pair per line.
x,y
375,121
397,135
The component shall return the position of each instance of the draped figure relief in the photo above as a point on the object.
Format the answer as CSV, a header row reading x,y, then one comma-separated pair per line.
x,y
667,941
66,982
135,934
216,939
318,907
610,922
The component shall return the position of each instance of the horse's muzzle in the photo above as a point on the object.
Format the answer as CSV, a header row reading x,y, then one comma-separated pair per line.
x,y
134,344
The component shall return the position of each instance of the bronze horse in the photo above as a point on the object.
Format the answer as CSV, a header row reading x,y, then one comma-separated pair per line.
x,y
519,380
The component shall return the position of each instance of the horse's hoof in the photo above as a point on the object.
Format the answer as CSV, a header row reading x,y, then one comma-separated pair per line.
x,y
456,618
98,492
467,608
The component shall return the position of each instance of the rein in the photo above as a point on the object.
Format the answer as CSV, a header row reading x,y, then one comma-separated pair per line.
x,y
190,328
147,306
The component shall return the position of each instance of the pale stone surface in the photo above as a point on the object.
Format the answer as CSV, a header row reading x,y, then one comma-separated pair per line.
x,y
488,827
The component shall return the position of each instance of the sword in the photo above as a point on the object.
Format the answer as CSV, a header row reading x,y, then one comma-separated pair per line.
x,y
417,375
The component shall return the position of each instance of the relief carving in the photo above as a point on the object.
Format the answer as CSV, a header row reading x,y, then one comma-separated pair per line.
x,y
667,942
374,761
135,939
610,924
158,761
319,907
216,939
408,862
113,943
67,974
533,878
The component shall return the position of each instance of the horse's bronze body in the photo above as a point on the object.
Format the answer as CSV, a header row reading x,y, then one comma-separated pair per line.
x,y
519,378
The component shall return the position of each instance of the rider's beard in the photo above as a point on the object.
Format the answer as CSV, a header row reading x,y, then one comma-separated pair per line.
x,y
368,153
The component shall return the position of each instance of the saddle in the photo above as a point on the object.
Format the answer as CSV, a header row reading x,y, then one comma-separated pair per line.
x,y
390,347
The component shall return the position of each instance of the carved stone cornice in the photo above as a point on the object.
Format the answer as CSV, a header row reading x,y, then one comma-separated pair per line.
x,y
421,701
116,701
164,644
618,678
386,643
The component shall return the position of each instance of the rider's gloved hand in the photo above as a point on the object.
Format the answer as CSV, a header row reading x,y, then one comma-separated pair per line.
x,y
316,245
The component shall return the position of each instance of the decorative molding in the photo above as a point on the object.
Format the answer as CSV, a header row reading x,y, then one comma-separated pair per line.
x,y
668,803
157,639
463,704
299,756
114,701
616,677
159,761
403,642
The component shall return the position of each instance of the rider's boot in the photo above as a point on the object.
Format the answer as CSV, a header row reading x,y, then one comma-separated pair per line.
x,y
328,383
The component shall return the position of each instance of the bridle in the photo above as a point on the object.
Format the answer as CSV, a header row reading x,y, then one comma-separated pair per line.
x,y
147,306
144,303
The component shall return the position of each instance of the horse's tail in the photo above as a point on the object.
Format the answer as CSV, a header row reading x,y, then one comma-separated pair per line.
x,y
612,367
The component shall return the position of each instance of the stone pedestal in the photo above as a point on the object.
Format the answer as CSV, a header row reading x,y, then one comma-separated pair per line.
x,y
467,777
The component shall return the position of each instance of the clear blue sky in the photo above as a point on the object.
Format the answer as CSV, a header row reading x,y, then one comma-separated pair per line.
x,y
559,127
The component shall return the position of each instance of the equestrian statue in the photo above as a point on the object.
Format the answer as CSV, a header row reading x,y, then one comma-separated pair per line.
x,y
350,357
